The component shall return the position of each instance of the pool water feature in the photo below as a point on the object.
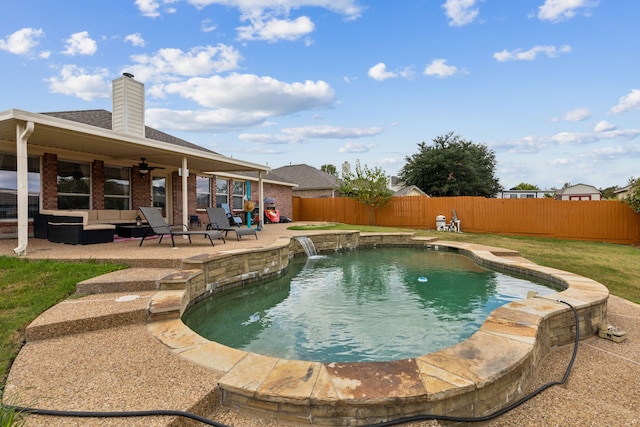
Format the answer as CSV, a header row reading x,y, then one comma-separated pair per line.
x,y
368,305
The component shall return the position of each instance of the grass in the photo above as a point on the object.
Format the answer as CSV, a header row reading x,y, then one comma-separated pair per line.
x,y
28,288
615,266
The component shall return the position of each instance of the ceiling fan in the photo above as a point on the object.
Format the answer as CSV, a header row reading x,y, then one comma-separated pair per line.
x,y
144,168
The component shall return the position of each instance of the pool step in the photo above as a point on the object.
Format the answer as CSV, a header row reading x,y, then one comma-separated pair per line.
x,y
127,280
90,313
125,297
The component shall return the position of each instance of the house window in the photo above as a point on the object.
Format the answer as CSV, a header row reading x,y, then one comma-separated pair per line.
x,y
74,185
159,188
117,188
203,192
513,196
9,186
222,192
238,195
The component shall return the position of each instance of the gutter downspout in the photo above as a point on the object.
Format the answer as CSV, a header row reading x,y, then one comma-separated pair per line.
x,y
261,199
185,194
23,132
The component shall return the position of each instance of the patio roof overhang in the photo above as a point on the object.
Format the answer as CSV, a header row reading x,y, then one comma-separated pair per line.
x,y
27,132
53,134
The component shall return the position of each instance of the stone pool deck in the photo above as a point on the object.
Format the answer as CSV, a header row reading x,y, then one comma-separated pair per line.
x,y
99,352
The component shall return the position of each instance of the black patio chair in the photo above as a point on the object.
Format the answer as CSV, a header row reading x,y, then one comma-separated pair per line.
x,y
218,221
159,227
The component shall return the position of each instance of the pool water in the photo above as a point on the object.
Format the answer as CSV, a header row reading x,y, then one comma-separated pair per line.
x,y
367,305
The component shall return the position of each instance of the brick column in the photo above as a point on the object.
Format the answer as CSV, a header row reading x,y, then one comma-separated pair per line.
x,y
97,184
140,189
49,175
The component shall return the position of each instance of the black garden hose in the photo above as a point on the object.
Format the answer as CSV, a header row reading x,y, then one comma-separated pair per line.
x,y
160,412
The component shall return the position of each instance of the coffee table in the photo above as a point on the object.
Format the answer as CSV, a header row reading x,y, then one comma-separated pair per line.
x,y
132,230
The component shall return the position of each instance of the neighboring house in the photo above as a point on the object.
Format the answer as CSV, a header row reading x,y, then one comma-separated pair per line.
x,y
311,182
525,194
624,192
411,190
394,184
99,160
579,192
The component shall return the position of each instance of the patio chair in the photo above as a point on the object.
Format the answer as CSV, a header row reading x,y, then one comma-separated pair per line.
x,y
233,220
218,221
159,227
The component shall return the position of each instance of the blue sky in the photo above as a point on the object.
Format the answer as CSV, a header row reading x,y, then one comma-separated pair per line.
x,y
551,86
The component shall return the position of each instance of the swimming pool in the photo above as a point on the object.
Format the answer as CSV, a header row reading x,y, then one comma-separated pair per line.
x,y
368,305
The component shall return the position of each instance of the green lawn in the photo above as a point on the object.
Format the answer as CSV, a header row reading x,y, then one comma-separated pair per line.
x,y
28,288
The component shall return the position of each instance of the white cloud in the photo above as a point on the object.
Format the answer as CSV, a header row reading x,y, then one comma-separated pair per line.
x,y
274,30
77,81
267,138
531,54
135,39
237,101
207,26
150,8
349,8
560,10
334,132
379,72
460,12
170,63
217,120
576,115
248,92
439,68
80,44
535,144
356,147
604,126
298,135
627,103
270,19
22,42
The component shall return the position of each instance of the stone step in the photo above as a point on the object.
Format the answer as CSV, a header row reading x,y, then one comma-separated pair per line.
x,y
128,280
90,313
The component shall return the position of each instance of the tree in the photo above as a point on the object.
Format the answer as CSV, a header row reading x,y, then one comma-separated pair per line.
x,y
609,193
633,199
367,186
525,186
452,166
330,169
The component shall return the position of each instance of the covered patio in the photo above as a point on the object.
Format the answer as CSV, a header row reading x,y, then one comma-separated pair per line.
x,y
31,134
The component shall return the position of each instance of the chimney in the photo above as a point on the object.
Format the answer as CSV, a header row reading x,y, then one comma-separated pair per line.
x,y
128,106
346,168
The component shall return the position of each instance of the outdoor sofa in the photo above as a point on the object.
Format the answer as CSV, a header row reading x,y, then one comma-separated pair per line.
x,y
81,227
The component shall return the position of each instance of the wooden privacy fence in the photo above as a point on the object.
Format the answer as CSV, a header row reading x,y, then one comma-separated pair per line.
x,y
604,220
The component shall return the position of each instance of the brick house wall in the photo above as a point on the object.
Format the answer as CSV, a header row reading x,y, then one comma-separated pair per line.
x,y
282,194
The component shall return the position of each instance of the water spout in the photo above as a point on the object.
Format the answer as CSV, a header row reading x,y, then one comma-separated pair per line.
x,y
307,245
